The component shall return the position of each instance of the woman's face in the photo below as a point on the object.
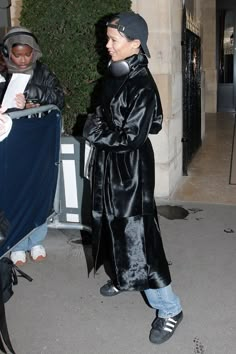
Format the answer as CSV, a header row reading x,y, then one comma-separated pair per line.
x,y
22,55
119,47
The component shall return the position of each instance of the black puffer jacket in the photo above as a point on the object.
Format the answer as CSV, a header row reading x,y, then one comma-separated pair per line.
x,y
43,87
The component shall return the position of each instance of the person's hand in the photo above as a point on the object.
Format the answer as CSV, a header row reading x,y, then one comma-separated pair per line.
x,y
31,105
98,122
20,101
3,121
5,124
2,109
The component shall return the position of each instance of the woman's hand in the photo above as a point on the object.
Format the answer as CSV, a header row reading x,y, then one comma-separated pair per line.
x,y
31,105
3,121
5,124
20,101
2,109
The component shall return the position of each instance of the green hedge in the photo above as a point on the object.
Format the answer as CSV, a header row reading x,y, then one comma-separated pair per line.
x,y
67,31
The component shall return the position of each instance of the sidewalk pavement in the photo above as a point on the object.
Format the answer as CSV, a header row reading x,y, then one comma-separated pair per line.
x,y
62,311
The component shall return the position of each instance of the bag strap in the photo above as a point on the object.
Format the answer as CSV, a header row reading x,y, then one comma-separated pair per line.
x,y
4,335
22,274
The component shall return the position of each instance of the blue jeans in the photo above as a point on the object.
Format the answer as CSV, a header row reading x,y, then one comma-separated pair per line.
x,y
164,300
35,238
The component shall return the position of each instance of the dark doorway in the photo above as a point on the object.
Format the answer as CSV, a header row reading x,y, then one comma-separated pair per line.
x,y
191,72
226,58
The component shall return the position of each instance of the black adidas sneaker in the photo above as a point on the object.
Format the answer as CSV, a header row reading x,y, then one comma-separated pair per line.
x,y
164,328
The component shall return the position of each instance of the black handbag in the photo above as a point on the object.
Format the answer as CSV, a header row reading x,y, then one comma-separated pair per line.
x,y
4,335
9,274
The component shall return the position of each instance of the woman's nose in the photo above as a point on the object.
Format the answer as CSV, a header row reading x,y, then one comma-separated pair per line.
x,y
108,45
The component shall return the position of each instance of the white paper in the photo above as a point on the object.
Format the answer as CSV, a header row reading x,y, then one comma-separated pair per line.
x,y
2,78
16,85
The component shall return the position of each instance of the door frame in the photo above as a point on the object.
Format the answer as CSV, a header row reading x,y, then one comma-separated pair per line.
x,y
226,92
191,85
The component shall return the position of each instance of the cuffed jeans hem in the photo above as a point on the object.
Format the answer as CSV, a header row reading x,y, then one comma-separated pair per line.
x,y
36,238
164,300
168,315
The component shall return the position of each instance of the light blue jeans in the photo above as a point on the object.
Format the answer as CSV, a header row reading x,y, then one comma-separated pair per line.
x,y
35,238
164,300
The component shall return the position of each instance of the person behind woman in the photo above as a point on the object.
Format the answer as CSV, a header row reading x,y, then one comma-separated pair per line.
x,y
125,229
21,53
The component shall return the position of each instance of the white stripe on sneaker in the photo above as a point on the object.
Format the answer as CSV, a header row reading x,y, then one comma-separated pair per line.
x,y
170,325
167,329
115,289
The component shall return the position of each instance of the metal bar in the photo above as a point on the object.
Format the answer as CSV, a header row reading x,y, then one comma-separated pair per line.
x,y
60,225
30,111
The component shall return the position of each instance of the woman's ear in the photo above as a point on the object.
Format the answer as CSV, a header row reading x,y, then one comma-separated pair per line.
x,y
136,43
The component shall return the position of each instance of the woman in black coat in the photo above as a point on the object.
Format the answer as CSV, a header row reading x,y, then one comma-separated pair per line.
x,y
21,54
125,228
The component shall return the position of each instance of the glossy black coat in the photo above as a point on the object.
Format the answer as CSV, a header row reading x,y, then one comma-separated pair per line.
x,y
126,234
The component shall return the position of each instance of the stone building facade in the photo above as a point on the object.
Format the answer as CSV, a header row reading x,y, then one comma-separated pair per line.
x,y
164,18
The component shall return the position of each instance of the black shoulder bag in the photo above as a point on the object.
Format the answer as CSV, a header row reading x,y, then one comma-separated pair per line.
x,y
8,278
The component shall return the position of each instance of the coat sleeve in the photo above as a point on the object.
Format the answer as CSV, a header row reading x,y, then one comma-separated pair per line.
x,y
144,116
45,86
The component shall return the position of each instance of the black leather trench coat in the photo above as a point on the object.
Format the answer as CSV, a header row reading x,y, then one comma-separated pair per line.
x,y
125,229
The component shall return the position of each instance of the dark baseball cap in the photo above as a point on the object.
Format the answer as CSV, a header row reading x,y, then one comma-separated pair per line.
x,y
133,26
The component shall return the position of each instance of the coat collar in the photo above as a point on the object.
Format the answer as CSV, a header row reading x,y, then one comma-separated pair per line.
x,y
125,67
